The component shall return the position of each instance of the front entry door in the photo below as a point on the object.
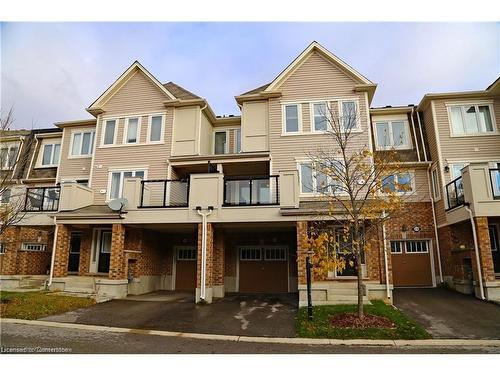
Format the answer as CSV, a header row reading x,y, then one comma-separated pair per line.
x,y
104,245
74,252
495,246
344,251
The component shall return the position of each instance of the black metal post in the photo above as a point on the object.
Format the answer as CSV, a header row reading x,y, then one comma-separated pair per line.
x,y
309,299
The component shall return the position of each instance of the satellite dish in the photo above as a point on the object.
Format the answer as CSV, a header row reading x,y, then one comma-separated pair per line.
x,y
118,204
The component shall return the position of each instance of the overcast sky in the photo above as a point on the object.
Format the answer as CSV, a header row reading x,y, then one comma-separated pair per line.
x,y
51,71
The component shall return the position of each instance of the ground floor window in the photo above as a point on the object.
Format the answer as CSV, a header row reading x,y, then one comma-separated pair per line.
x,y
2,248
493,229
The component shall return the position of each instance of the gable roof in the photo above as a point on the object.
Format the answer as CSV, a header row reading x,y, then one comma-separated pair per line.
x,y
180,92
95,107
257,90
299,60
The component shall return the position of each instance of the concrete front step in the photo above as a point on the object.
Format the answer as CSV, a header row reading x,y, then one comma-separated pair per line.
x,y
74,289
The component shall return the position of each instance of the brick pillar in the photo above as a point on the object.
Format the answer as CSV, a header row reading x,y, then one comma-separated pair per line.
x,y
209,278
301,253
218,264
9,260
374,255
62,251
485,256
117,263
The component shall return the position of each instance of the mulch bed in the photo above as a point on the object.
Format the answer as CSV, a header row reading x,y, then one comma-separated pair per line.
x,y
350,320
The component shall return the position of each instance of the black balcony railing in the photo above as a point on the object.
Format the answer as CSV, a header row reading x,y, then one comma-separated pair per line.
x,y
164,193
251,191
42,199
455,193
495,182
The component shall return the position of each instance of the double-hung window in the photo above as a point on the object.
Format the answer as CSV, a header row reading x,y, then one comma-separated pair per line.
x,y
349,115
220,142
155,129
392,134
82,143
398,183
8,155
116,181
132,130
471,119
50,154
292,115
320,117
110,131
316,181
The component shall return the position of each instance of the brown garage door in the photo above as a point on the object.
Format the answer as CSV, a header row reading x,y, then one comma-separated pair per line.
x,y
411,263
185,268
263,269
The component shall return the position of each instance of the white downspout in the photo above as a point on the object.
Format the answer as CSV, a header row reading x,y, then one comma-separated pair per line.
x,y
476,248
415,133
421,135
203,250
52,260
386,261
438,248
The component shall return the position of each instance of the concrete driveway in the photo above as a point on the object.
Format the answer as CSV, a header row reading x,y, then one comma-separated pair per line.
x,y
246,315
448,314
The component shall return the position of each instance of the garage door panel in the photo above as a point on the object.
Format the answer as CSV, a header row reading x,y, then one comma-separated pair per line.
x,y
185,268
411,263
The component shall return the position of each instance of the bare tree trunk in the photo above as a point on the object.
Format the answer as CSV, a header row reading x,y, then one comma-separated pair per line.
x,y
360,284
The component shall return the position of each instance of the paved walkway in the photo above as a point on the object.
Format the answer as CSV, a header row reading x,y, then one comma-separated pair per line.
x,y
245,315
449,314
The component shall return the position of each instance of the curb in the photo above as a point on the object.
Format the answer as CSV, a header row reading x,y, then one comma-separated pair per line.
x,y
267,340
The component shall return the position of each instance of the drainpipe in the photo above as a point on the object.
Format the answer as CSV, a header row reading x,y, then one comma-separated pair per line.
x,y
421,135
386,261
438,248
52,260
415,133
476,248
204,216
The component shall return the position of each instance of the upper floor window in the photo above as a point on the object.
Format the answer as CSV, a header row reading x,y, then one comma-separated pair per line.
x,y
5,196
109,137
436,192
116,181
392,134
292,114
155,129
220,142
237,141
398,183
349,114
314,181
82,143
50,155
320,119
8,155
471,119
132,130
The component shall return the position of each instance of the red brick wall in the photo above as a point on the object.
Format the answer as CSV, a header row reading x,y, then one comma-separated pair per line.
x,y
62,251
117,264
209,256
484,244
19,262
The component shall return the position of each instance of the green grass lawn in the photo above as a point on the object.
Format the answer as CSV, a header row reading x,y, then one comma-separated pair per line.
x,y
34,305
320,326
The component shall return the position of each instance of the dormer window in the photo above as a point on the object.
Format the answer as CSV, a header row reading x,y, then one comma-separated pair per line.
x,y
50,154
220,142
471,119
82,143
392,134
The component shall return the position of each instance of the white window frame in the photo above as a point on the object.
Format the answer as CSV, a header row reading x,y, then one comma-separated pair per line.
x,y
401,247
33,246
436,188
476,104
42,151
2,248
122,172
313,116
315,191
412,183
182,249
299,119
162,131
358,127
235,145
226,146
92,144
125,130
243,248
404,246
274,248
496,227
103,131
407,146
9,146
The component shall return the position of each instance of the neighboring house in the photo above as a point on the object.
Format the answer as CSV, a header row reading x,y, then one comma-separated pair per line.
x,y
29,176
219,204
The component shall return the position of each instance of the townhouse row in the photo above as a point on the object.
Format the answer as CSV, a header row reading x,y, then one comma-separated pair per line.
x,y
216,205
